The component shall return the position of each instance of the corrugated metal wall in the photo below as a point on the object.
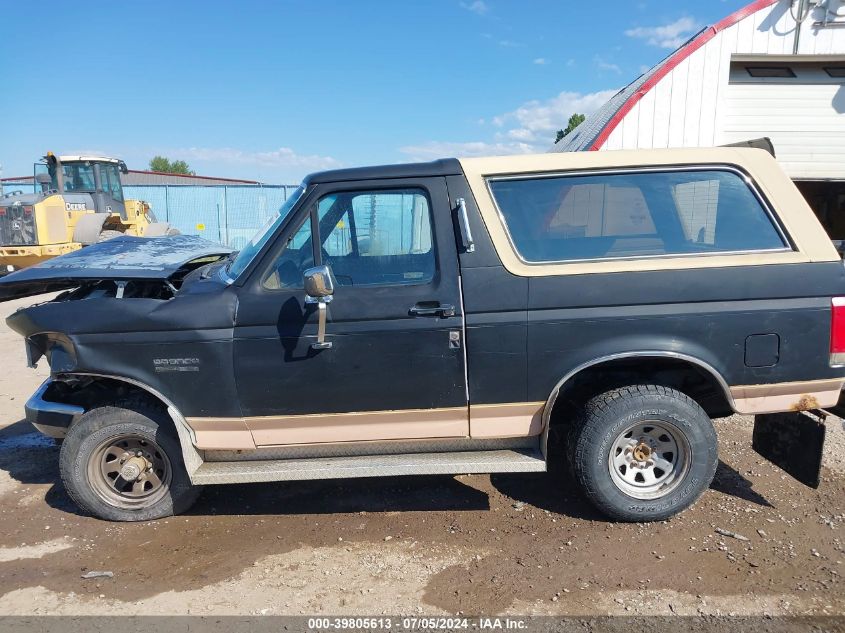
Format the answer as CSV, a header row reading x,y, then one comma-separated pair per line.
x,y
230,214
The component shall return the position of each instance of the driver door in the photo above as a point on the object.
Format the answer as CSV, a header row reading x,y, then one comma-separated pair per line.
x,y
395,368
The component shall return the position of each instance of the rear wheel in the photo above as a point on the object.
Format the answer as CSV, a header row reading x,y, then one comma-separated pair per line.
x,y
124,463
643,452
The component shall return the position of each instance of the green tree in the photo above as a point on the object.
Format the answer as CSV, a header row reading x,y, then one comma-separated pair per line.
x,y
164,165
574,121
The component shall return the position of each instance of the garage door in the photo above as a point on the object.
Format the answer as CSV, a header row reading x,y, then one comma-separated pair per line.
x,y
800,107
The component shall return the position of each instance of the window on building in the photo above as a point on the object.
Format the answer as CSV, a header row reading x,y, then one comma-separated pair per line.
x,y
835,71
571,218
770,71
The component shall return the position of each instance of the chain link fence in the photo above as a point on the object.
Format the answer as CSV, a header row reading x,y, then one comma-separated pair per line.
x,y
229,214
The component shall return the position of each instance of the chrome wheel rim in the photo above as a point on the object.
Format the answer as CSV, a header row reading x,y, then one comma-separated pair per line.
x,y
649,459
129,471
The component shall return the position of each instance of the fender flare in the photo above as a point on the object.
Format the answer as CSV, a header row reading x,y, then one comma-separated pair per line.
x,y
191,456
550,402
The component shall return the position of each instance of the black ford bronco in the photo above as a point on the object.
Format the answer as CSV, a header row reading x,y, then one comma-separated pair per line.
x,y
443,318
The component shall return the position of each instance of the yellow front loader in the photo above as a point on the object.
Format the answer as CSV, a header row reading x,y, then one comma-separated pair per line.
x,y
80,202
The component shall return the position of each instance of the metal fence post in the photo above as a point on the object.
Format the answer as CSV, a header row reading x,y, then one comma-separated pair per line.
x,y
225,239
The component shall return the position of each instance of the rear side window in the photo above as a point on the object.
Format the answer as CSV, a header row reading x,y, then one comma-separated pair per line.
x,y
601,216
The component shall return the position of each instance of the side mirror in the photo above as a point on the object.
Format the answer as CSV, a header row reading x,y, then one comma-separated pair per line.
x,y
44,181
319,282
319,288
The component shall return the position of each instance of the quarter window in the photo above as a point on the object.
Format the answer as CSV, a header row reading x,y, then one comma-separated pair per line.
x,y
296,257
572,218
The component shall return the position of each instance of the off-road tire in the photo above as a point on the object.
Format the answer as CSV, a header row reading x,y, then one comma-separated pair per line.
x,y
108,234
597,430
99,425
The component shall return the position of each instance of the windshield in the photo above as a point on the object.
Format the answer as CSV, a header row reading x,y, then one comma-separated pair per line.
x,y
245,255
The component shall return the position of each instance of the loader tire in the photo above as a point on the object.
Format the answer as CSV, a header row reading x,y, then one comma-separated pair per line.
x,y
108,234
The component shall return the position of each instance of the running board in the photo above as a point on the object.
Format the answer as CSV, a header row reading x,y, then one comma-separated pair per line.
x,y
447,463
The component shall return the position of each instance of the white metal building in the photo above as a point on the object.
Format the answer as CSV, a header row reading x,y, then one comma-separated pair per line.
x,y
775,68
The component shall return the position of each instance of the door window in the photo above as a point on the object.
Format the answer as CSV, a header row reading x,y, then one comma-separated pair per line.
x,y
110,177
372,238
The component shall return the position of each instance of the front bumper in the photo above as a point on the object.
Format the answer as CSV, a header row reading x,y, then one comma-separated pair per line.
x,y
50,418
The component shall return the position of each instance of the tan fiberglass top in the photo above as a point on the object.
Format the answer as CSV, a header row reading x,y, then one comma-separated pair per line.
x,y
811,242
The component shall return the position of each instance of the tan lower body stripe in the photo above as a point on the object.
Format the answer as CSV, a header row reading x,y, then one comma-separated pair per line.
x,y
515,419
786,396
512,419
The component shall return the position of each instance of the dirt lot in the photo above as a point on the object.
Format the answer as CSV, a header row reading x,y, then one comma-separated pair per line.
x,y
519,544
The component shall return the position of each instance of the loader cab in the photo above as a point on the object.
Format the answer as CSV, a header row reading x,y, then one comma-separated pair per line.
x,y
97,177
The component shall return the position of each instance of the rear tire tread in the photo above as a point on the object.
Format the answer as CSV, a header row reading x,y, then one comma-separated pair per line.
x,y
590,429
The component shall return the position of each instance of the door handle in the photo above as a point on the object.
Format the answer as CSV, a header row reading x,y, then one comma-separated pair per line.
x,y
432,308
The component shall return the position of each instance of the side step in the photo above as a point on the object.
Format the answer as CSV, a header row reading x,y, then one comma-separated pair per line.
x,y
448,463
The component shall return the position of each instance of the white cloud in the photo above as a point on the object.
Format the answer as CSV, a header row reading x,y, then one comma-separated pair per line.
x,y
541,61
670,35
536,121
528,129
86,152
278,158
477,6
441,149
601,64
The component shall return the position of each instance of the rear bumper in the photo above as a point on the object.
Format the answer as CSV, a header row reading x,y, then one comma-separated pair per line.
x,y
50,418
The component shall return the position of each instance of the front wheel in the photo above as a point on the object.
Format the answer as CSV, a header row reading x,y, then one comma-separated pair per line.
x,y
643,452
124,463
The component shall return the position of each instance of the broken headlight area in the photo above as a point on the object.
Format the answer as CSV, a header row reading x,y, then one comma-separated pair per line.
x,y
55,347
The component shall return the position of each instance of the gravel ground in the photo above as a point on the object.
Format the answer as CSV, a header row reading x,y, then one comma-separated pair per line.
x,y
500,544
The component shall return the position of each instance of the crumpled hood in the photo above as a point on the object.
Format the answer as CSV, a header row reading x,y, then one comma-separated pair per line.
x,y
122,258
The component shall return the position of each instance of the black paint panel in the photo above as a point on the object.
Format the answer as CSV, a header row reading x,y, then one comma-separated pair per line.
x,y
714,333
123,337
736,283
708,314
495,303
208,391
442,167
382,357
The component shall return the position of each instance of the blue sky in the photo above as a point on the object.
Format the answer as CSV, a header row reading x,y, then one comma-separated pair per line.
x,y
274,90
